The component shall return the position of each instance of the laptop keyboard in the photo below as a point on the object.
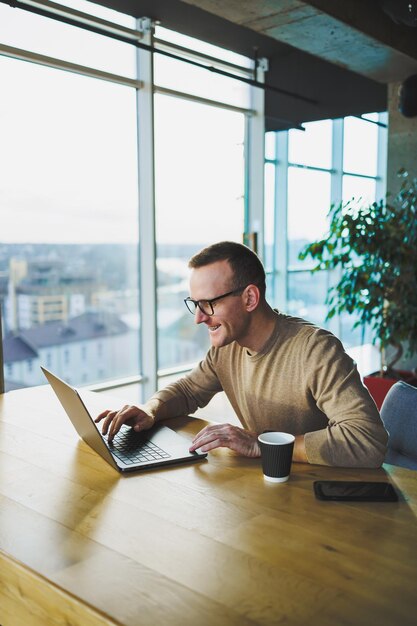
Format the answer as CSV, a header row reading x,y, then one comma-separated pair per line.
x,y
131,447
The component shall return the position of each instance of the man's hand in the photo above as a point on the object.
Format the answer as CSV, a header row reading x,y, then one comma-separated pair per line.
x,y
131,415
228,436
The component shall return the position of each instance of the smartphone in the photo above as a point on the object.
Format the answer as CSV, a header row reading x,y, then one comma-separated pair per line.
x,y
354,491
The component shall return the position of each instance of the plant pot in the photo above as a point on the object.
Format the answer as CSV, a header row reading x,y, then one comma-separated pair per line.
x,y
379,386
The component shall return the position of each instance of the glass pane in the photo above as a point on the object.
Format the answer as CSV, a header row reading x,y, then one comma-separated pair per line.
x,y
306,298
270,145
187,78
360,146
307,295
353,336
198,45
41,35
358,187
371,116
199,168
69,216
308,205
313,146
99,11
269,216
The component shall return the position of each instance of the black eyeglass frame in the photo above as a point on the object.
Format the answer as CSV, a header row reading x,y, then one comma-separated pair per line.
x,y
197,303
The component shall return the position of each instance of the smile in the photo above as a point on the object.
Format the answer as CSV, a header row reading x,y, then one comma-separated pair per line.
x,y
213,328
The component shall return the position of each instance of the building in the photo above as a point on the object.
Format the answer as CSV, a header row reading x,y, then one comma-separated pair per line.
x,y
42,291
89,347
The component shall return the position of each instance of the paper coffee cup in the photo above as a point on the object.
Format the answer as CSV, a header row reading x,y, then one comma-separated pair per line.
x,y
276,454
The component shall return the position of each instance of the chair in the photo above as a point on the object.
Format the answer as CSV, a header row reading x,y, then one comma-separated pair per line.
x,y
399,414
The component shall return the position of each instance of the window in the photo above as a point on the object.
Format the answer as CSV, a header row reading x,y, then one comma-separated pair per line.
x,y
305,172
199,183
70,238
308,195
360,146
312,146
75,227
28,31
70,249
204,145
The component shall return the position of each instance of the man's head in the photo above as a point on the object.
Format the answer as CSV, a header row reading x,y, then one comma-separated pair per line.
x,y
227,293
245,264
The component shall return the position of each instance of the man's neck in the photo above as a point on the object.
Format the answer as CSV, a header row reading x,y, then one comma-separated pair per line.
x,y
262,326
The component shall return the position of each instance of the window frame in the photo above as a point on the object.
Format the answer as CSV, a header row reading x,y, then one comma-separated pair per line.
x,y
278,273
145,88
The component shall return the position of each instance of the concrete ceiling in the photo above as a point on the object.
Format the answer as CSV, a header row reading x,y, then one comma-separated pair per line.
x,y
358,35
327,58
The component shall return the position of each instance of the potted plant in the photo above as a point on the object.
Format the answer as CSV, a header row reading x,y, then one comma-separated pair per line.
x,y
374,247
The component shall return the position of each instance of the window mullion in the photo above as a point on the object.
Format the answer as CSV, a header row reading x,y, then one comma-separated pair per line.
x,y
336,194
337,161
254,156
381,181
281,221
147,245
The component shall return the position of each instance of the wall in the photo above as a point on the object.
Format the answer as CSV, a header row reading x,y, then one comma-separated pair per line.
x,y
402,153
402,141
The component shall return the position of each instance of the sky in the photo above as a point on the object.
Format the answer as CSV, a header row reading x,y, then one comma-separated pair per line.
x,y
68,146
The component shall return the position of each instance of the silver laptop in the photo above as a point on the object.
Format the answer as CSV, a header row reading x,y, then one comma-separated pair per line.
x,y
129,451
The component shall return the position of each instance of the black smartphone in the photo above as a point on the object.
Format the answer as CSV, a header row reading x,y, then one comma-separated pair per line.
x,y
354,491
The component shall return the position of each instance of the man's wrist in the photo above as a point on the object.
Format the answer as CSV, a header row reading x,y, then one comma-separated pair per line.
x,y
153,407
299,454
256,452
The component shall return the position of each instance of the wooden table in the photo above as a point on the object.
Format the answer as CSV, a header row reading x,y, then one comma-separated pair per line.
x,y
202,544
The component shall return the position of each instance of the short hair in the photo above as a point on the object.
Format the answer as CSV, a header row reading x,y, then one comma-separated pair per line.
x,y
245,264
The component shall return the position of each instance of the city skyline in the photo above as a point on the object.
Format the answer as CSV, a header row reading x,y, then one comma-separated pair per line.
x,y
75,308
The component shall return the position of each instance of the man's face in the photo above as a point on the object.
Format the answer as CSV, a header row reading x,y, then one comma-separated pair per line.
x,y
230,321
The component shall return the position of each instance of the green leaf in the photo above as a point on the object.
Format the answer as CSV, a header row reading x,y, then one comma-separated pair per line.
x,y
373,247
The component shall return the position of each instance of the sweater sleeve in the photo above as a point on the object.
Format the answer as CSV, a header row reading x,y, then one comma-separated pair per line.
x,y
191,392
355,435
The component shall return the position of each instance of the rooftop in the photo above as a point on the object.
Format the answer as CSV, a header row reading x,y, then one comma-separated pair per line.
x,y
91,325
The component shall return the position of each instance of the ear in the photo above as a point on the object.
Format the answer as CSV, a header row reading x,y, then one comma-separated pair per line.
x,y
252,297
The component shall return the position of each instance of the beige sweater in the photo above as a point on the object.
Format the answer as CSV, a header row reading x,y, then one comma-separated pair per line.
x,y
302,382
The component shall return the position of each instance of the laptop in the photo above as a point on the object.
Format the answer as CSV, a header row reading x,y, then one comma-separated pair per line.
x,y
129,451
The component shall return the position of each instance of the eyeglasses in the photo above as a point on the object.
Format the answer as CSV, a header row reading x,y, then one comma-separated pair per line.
x,y
206,306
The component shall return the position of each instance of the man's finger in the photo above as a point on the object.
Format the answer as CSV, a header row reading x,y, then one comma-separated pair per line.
x,y
208,429
107,421
215,443
115,426
124,416
206,437
102,415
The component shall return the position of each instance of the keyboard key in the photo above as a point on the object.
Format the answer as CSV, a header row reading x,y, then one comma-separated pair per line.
x,y
131,447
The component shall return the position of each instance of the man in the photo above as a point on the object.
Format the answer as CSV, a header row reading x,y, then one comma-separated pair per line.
x,y
279,373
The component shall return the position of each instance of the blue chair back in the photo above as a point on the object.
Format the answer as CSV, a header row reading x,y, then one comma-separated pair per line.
x,y
399,414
